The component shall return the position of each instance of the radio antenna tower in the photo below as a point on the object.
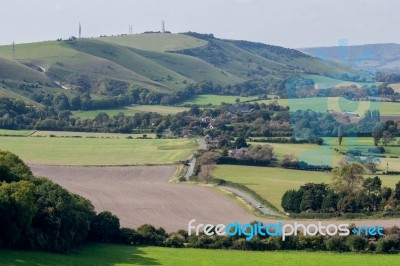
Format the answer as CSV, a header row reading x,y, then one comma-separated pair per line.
x,y
80,30
163,26
130,29
13,51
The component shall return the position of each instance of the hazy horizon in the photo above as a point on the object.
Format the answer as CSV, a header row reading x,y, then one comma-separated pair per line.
x,y
287,23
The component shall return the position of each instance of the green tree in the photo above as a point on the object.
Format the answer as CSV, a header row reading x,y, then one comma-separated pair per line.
x,y
377,133
17,211
291,200
105,227
348,178
373,185
240,142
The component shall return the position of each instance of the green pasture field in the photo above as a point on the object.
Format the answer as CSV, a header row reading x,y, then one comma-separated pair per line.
x,y
69,134
365,143
310,153
98,151
7,132
131,110
322,82
339,104
325,155
206,99
271,183
118,255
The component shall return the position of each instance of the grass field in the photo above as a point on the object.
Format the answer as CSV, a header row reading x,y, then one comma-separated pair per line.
x,y
363,144
310,153
322,82
7,132
88,134
272,183
95,151
216,99
131,110
103,254
339,104
325,155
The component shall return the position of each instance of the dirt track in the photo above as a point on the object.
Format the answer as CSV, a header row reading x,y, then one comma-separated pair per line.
x,y
139,195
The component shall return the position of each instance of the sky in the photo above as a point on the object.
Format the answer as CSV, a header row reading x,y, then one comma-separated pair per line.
x,y
288,23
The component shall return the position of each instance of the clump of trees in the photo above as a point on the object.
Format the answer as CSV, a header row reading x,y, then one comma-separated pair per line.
x,y
36,213
349,192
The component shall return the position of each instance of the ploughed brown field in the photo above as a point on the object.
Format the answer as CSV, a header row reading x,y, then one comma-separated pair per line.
x,y
142,194
139,195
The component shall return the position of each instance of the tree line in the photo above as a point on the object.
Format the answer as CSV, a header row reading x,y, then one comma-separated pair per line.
x,y
349,192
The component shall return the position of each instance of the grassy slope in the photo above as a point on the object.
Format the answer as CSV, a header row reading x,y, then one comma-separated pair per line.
x,y
94,151
10,94
191,67
103,254
132,61
17,71
131,110
62,62
296,60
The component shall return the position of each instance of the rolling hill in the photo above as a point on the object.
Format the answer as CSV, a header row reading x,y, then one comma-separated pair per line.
x,y
382,57
160,62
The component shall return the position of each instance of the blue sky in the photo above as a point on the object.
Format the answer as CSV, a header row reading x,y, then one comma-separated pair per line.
x,y
289,23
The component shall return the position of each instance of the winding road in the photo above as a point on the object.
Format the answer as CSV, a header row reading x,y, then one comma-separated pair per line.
x,y
250,200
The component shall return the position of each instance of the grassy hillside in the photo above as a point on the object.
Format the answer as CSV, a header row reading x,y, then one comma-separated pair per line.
x,y
157,61
106,254
128,59
191,67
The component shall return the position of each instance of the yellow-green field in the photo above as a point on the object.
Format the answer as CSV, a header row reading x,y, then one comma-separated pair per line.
x,y
271,183
98,151
322,82
131,110
310,153
7,132
339,104
69,134
206,99
118,255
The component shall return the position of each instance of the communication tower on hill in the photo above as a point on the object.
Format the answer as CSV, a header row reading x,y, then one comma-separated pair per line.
x,y
13,51
163,26
80,30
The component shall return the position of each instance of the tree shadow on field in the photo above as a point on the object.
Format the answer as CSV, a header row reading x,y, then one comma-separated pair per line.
x,y
89,254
